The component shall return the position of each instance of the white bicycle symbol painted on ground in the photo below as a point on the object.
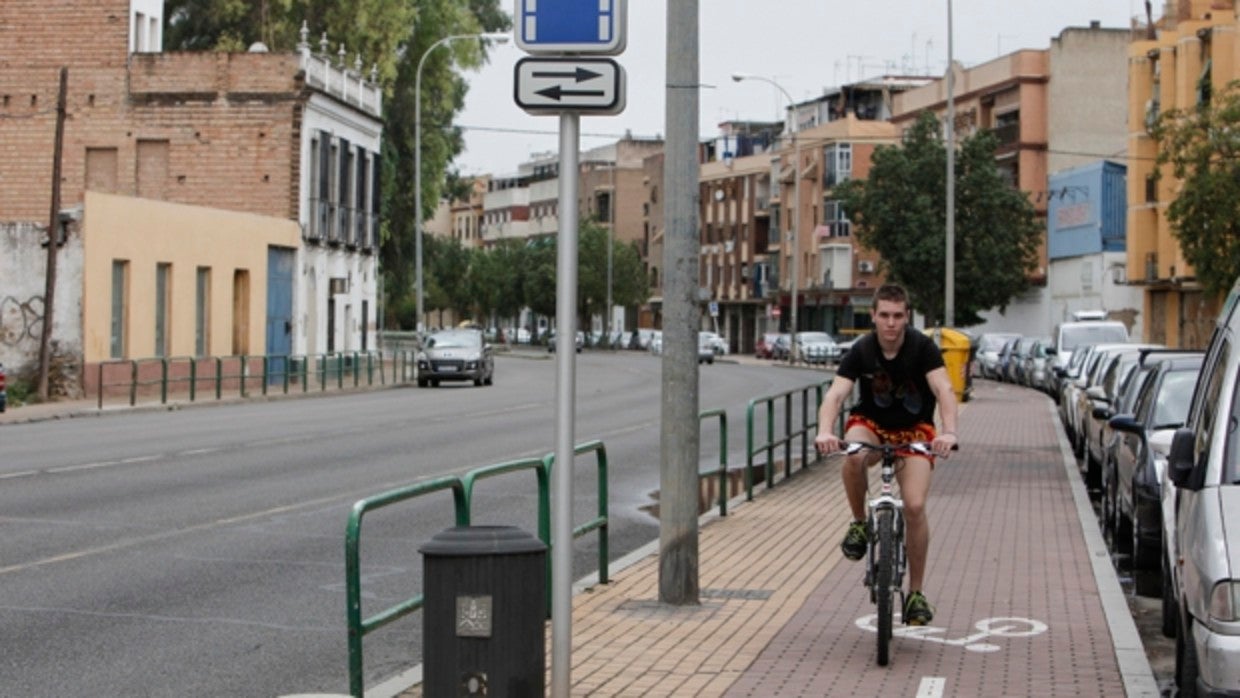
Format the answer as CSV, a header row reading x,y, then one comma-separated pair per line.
x,y
986,628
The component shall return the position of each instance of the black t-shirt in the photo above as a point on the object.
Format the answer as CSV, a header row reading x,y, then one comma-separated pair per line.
x,y
895,394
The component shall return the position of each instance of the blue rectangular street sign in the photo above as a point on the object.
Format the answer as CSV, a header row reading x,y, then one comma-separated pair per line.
x,y
572,26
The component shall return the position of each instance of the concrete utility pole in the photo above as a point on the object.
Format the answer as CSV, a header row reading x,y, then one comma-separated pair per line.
x,y
53,241
679,438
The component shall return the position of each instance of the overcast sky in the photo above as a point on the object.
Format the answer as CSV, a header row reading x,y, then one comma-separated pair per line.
x,y
804,45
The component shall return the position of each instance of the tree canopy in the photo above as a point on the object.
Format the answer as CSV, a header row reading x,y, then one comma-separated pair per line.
x,y
1202,148
900,212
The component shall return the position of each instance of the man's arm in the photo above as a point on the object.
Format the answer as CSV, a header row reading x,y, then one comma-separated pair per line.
x,y
941,386
829,411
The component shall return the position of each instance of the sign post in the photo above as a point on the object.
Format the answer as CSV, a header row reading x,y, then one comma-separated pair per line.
x,y
566,77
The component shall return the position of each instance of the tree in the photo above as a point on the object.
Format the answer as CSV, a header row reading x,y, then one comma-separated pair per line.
x,y
900,211
1202,147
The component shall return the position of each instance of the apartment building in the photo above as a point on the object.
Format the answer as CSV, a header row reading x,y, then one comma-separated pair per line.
x,y
1050,109
291,138
1177,63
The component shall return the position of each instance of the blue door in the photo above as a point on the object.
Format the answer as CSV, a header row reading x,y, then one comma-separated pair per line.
x,y
279,311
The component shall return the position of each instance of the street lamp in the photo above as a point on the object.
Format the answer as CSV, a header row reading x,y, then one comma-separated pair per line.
x,y
796,201
497,37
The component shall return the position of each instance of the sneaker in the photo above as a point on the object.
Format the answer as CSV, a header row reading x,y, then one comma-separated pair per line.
x,y
917,610
856,542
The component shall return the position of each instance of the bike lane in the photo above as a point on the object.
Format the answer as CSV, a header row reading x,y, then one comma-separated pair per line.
x,y
1027,604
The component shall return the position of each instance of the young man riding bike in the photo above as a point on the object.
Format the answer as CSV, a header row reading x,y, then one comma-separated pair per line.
x,y
902,376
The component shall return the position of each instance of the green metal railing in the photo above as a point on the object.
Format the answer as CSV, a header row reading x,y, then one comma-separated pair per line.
x,y
723,454
462,490
789,435
188,376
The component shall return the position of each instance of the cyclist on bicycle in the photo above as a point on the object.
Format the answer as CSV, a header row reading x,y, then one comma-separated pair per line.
x,y
902,376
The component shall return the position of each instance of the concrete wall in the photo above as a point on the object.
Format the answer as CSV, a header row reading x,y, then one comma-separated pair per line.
x,y
23,264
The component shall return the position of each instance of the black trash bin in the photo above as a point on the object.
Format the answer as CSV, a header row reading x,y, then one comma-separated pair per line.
x,y
483,612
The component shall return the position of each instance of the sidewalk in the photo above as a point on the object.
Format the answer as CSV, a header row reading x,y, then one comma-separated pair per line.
x,y
1027,601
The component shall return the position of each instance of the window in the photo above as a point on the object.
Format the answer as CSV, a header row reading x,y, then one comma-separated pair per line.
x,y
163,307
120,301
835,219
202,312
344,189
838,159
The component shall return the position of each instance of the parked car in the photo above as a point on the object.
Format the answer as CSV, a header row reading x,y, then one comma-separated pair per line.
x,y
656,342
1016,363
845,342
718,344
988,347
1005,359
706,348
456,355
816,347
783,347
1035,369
581,341
1071,397
1135,503
1096,406
1068,336
765,348
1203,464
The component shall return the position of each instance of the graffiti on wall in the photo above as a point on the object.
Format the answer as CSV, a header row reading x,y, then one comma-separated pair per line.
x,y
20,321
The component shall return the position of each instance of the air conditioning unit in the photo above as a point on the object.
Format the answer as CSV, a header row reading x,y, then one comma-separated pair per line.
x,y
865,267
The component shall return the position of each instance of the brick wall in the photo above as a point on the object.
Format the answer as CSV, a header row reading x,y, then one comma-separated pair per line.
x,y
228,119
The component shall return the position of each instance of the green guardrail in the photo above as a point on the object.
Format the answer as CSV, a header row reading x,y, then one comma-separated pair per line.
x,y
723,454
462,490
789,435
241,375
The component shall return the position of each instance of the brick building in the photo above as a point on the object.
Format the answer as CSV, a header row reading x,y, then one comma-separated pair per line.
x,y
290,136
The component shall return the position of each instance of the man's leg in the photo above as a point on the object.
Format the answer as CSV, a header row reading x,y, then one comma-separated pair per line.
x,y
914,479
856,482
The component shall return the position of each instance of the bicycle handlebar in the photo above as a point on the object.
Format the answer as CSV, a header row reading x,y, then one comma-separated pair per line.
x,y
918,447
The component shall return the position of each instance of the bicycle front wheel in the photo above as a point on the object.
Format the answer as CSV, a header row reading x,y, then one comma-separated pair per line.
x,y
884,572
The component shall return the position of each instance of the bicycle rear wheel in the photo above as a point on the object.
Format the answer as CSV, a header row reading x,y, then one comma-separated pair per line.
x,y
884,570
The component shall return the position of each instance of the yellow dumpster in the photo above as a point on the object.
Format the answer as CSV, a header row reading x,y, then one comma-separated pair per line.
x,y
957,350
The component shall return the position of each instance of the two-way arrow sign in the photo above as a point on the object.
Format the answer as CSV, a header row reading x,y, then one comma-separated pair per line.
x,y
555,85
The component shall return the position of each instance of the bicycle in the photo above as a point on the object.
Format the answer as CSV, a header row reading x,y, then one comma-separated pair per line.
x,y
887,559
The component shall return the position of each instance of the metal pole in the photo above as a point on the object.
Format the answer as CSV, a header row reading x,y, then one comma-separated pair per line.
x,y
417,154
565,391
949,282
795,223
679,434
611,233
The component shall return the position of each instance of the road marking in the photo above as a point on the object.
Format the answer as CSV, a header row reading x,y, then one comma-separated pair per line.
x,y
22,473
84,466
931,687
199,451
987,628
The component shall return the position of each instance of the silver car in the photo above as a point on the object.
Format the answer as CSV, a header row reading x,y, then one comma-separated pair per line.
x,y
816,348
456,355
1204,464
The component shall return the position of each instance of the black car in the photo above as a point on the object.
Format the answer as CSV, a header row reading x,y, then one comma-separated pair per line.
x,y
1140,453
456,355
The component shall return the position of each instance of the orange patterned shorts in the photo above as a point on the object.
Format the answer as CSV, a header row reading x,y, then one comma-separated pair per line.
x,y
917,432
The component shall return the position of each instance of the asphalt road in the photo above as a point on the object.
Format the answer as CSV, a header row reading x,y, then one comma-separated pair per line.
x,y
200,552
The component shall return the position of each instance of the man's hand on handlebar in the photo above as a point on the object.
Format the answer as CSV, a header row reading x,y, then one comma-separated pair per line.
x,y
944,443
828,443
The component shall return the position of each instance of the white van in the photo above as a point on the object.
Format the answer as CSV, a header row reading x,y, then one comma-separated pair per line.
x,y
1070,335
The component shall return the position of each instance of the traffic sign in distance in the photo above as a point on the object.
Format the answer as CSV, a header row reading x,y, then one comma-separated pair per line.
x,y
555,85
572,26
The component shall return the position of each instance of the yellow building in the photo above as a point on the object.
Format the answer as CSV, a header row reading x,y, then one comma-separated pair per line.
x,y
1192,46
166,279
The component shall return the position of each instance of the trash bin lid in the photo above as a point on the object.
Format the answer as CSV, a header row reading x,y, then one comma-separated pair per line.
x,y
470,541
948,338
